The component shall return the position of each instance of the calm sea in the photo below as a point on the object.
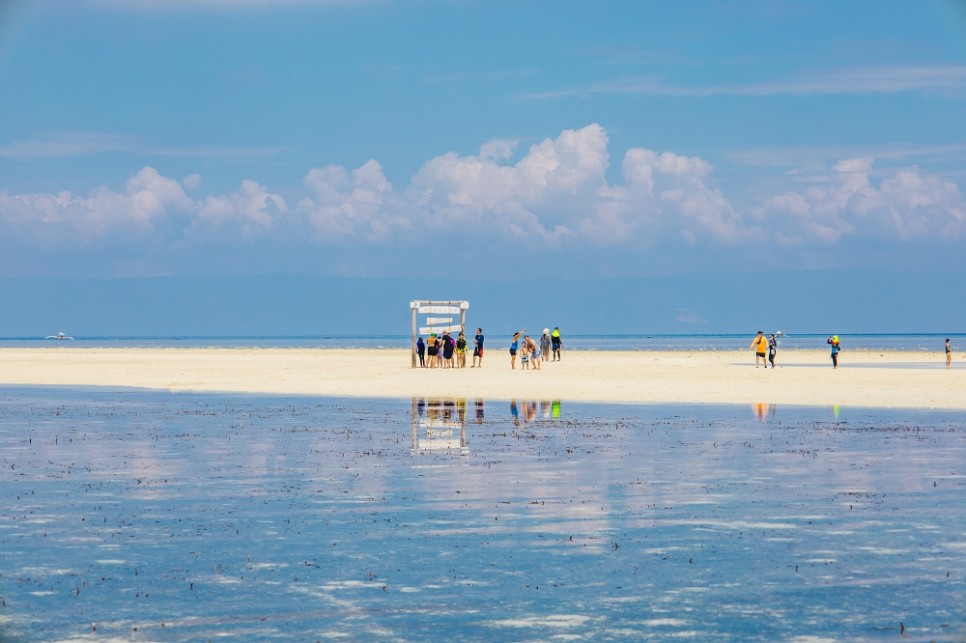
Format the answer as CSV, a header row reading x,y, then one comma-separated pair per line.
x,y
926,342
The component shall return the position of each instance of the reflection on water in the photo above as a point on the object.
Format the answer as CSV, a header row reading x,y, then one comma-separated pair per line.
x,y
149,516
526,411
440,423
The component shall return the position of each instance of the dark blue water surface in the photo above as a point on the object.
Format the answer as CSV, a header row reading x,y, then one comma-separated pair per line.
x,y
164,517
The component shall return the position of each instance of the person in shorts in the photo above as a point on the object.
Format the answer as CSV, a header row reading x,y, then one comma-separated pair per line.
x,y
760,345
514,347
478,348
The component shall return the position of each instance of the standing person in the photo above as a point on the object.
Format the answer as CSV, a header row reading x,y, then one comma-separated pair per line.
x,y
760,345
421,351
461,350
556,342
478,348
545,345
432,349
525,353
772,349
834,347
534,354
449,346
514,347
949,354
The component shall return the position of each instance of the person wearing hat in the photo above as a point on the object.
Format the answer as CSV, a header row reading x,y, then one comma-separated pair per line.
x,y
545,345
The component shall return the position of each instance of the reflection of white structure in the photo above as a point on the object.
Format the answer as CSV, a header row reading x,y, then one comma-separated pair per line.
x,y
437,325
58,336
439,425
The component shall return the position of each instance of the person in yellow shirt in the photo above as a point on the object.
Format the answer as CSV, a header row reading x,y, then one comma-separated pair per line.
x,y
760,345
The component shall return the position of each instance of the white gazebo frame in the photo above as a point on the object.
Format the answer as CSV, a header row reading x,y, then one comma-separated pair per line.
x,y
436,324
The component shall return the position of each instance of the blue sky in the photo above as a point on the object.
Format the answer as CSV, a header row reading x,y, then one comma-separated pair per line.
x,y
376,138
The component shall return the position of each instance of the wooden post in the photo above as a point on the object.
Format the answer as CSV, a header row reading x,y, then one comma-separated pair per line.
x,y
413,305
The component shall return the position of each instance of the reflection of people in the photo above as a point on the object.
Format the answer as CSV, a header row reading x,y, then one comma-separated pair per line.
x,y
421,351
949,353
479,411
478,348
760,345
772,349
556,342
834,348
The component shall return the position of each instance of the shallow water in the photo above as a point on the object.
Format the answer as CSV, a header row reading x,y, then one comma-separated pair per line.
x,y
155,516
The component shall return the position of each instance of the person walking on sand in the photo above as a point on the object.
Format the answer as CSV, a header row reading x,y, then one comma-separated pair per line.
x,y
545,345
525,353
772,349
514,347
760,345
556,343
478,348
949,354
834,347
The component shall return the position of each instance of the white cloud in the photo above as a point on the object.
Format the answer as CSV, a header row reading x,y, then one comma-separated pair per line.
x,y
904,206
557,196
857,80
249,211
65,144
351,206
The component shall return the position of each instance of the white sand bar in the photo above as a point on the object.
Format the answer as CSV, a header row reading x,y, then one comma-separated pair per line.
x,y
864,378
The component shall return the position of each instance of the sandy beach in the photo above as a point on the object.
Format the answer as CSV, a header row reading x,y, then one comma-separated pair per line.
x,y
864,379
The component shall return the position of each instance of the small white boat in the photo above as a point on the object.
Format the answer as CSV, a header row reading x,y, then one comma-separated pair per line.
x,y
59,336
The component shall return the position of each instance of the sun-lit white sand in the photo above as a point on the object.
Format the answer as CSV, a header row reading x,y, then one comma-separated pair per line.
x,y
864,378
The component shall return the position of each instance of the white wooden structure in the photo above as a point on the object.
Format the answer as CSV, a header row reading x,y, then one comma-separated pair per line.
x,y
442,320
439,425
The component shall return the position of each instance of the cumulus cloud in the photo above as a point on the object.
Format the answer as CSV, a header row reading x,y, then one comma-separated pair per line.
x,y
249,211
351,206
557,194
906,205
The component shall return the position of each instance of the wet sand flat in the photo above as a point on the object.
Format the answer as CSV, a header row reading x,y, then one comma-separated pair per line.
x,y
138,515
864,379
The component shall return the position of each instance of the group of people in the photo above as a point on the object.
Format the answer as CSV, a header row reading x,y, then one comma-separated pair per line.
x,y
764,346
532,353
767,347
443,351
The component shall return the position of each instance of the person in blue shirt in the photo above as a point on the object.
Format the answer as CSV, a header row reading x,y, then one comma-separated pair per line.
x,y
478,348
514,347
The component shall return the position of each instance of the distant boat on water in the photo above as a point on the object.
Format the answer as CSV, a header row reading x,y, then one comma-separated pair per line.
x,y
59,336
